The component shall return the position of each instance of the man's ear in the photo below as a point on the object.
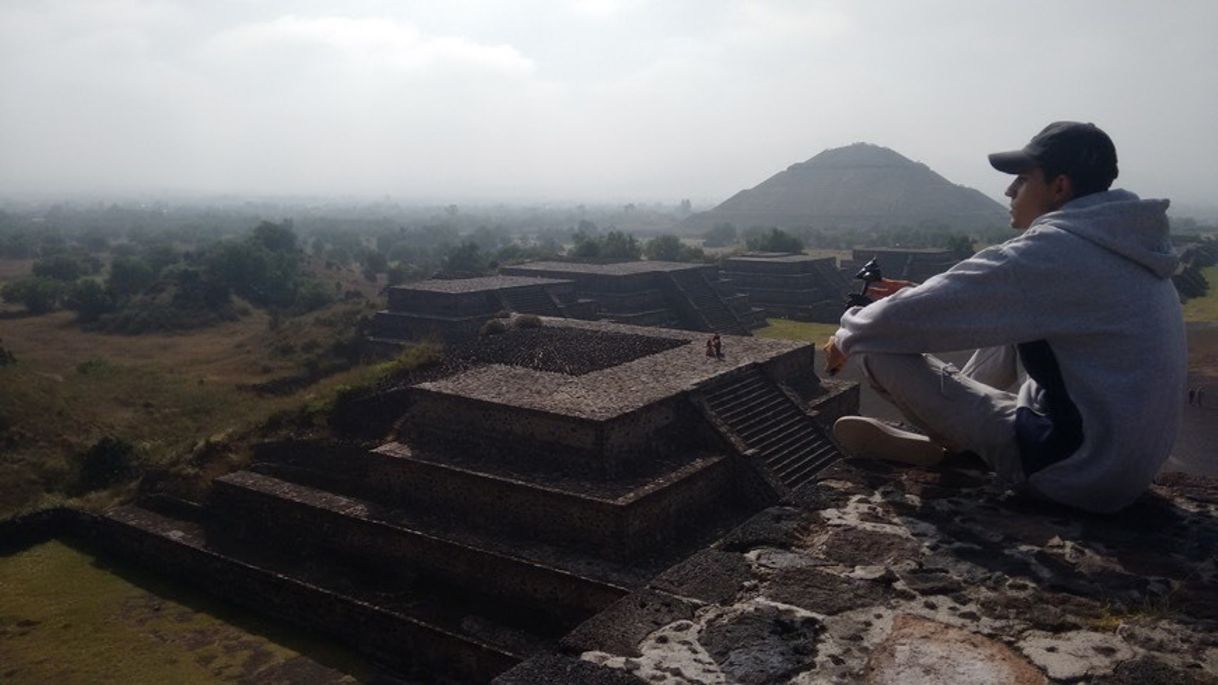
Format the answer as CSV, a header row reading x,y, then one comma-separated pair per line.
x,y
1061,189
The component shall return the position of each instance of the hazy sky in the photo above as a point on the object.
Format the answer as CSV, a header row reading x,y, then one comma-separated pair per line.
x,y
594,100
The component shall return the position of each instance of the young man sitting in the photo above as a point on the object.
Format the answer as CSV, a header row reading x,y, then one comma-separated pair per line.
x,y
1082,297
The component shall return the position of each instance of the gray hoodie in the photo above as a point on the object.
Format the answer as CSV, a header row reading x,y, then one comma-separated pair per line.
x,y
1086,293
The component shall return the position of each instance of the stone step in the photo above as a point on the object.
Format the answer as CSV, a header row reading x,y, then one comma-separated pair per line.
x,y
747,397
618,519
762,422
806,471
779,441
790,445
791,448
259,509
807,451
412,635
758,436
721,399
749,411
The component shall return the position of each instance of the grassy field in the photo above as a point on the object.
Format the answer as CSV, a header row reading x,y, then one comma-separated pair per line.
x,y
787,329
1204,309
67,616
177,397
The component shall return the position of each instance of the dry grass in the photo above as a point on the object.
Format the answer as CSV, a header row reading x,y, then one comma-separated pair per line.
x,y
75,613
788,329
164,393
1204,309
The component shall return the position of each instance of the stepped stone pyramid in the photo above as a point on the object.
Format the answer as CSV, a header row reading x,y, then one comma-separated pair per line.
x,y
857,186
642,293
908,264
794,286
521,493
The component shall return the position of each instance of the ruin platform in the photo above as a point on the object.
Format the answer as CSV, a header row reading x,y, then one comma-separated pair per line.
x,y
604,418
886,574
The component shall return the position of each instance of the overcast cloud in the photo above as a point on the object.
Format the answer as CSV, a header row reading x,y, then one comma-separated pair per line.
x,y
595,100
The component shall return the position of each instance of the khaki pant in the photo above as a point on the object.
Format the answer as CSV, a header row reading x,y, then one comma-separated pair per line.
x,y
960,410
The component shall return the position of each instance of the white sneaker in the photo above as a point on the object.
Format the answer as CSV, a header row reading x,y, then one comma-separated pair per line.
x,y
872,439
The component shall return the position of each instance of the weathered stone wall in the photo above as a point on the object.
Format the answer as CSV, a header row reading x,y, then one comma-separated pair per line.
x,y
443,304
261,511
602,446
619,527
885,574
405,326
637,301
179,554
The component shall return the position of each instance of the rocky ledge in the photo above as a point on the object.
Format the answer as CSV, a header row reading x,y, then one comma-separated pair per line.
x,y
886,574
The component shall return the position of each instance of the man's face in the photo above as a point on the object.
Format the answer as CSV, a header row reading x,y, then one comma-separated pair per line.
x,y
1030,197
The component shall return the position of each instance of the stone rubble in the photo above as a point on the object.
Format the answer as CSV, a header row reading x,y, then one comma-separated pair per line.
x,y
888,574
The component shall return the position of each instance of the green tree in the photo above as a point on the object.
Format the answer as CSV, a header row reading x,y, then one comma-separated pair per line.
x,y
375,262
775,240
665,248
961,246
129,276
465,258
89,300
620,245
313,295
60,267
721,235
37,295
199,288
107,462
587,247
275,237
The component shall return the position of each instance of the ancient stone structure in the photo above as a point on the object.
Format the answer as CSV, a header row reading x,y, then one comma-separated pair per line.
x,y
457,308
906,264
793,286
655,293
523,493
884,574
642,293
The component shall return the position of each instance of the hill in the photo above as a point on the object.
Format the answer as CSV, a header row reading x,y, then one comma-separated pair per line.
x,y
857,186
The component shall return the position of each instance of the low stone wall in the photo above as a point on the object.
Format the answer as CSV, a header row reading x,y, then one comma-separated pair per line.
x,y
838,399
477,303
160,546
606,447
615,527
796,363
638,301
260,510
775,266
885,574
388,324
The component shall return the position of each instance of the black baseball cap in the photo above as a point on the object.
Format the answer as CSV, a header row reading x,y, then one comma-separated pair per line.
x,y
1081,151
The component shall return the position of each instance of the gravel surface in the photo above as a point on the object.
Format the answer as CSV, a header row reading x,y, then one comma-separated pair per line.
x,y
562,350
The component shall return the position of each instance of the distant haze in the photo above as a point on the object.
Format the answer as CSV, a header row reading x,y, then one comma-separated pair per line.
x,y
592,100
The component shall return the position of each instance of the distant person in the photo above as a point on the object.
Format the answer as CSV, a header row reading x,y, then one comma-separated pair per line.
x,y
717,343
1082,297
710,347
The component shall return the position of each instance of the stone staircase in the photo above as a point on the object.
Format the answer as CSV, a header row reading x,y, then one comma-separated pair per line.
x,y
704,300
530,301
760,418
832,281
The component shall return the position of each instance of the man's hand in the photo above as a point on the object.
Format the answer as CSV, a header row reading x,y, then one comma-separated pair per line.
x,y
887,286
835,359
